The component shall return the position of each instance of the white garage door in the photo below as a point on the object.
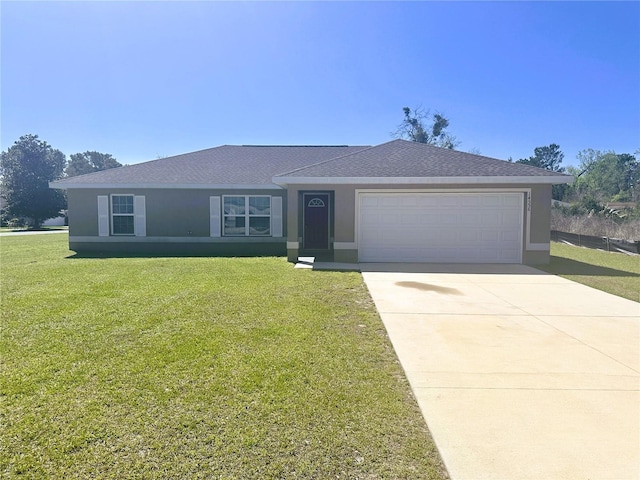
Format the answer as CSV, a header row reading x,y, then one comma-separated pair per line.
x,y
440,227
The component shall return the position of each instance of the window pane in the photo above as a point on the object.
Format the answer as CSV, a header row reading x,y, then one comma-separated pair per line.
x,y
259,205
259,226
123,225
122,203
234,205
234,225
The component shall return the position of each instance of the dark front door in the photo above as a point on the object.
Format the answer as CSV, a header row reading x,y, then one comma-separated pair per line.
x,y
316,221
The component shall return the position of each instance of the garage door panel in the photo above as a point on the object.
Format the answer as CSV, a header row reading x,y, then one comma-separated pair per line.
x,y
490,219
425,201
471,219
512,200
447,201
367,201
511,218
469,235
450,220
490,201
489,236
467,202
425,218
426,227
510,237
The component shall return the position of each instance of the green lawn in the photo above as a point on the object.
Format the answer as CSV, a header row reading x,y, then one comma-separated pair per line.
x,y
197,368
615,273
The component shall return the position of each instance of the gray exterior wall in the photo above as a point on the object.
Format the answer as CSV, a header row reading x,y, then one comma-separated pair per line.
x,y
344,238
540,232
177,222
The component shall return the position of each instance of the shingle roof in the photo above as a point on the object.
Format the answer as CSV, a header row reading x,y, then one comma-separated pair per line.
x,y
224,165
405,159
255,166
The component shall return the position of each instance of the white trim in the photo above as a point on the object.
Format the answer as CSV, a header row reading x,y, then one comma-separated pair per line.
x,y
131,239
345,245
527,211
140,216
111,214
164,186
276,217
444,190
103,215
278,182
214,217
247,215
506,180
293,245
528,245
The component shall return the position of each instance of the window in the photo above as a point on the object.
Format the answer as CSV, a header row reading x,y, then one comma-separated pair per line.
x,y
122,218
315,202
247,215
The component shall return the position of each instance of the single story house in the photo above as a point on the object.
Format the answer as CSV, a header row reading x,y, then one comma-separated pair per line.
x,y
398,201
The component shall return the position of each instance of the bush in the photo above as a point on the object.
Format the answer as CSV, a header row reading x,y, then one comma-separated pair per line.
x,y
605,222
16,223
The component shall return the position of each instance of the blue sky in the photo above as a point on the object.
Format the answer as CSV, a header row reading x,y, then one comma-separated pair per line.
x,y
140,80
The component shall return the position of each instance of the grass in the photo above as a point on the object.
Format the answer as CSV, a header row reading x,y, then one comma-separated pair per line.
x,y
614,273
197,368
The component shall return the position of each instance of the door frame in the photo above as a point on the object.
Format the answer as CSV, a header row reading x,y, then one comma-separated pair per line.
x,y
303,195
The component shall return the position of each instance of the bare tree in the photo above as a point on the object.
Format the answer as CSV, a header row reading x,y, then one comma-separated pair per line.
x,y
421,126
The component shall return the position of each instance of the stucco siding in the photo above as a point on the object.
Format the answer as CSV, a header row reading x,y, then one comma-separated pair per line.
x,y
345,214
82,212
180,219
535,228
541,214
177,213
170,215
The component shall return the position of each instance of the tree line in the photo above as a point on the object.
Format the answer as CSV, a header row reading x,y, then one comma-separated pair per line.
x,y
26,169
602,177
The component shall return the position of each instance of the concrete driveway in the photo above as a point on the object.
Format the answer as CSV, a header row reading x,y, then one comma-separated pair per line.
x,y
519,374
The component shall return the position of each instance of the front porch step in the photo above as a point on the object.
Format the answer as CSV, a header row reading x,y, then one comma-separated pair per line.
x,y
305,262
310,262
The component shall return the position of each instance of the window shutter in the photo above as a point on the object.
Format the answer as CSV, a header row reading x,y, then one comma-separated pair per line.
x,y
140,212
103,216
214,216
276,216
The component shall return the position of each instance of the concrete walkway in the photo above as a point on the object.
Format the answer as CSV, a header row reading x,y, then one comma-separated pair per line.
x,y
519,374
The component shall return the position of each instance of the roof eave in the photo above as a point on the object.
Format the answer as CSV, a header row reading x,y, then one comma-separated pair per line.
x,y
537,180
165,186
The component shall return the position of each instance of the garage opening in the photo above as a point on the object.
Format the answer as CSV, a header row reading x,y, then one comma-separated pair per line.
x,y
441,227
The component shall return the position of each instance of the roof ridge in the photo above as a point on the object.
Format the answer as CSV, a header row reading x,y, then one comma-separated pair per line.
x,y
297,146
327,161
341,157
404,157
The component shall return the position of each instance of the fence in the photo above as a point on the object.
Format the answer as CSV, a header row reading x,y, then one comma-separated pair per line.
x,y
600,243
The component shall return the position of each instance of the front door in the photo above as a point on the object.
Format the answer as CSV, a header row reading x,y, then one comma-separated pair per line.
x,y
316,221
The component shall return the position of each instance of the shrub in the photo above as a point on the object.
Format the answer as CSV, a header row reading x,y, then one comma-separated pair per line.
x,y
16,223
622,224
